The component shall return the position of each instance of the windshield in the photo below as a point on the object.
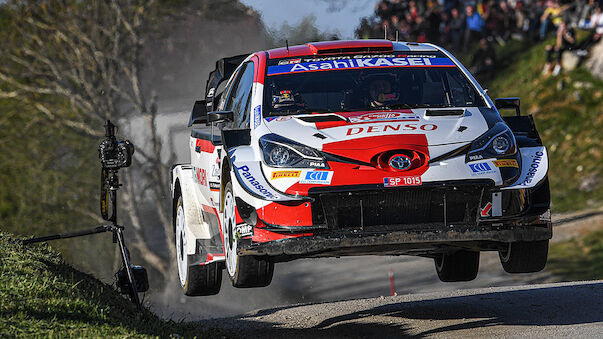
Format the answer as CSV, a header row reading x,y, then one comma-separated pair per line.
x,y
363,83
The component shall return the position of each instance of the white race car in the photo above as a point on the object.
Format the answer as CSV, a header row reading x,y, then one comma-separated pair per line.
x,y
366,147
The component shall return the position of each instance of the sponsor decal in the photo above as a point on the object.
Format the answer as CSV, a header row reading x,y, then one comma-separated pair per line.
x,y
290,61
320,164
485,212
383,116
215,170
317,177
284,118
214,186
285,174
481,168
391,127
360,56
476,157
348,57
257,116
258,188
201,176
402,181
364,62
243,230
506,163
211,92
536,159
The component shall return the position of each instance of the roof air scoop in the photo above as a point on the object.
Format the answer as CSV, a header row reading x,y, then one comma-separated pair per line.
x,y
357,46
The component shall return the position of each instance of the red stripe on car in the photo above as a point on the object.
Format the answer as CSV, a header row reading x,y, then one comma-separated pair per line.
x,y
284,215
205,145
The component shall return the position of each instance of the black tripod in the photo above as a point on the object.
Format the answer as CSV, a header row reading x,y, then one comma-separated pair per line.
x,y
109,186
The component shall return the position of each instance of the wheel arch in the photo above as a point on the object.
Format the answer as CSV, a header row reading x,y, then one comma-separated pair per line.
x,y
177,193
224,179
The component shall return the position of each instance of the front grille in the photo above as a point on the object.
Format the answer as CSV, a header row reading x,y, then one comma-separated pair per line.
x,y
400,206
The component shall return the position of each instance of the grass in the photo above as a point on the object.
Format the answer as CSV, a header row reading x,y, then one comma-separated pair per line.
x,y
41,295
578,259
568,110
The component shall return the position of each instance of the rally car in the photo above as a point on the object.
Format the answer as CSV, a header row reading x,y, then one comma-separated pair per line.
x,y
366,147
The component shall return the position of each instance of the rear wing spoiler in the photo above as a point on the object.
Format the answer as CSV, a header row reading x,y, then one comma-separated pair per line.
x,y
224,69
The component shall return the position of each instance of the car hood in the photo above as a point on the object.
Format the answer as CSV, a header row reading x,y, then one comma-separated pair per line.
x,y
358,130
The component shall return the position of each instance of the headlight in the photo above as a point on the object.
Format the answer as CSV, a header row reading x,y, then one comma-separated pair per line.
x,y
282,152
280,155
497,142
501,144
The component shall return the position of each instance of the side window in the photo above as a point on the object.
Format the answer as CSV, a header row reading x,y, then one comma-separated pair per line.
x,y
227,89
240,97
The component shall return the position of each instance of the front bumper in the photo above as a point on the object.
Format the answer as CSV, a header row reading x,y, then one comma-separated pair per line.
x,y
415,221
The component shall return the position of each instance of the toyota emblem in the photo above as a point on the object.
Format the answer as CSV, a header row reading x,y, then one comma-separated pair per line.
x,y
400,162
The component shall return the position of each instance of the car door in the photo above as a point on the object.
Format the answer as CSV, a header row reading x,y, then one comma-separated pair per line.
x,y
206,152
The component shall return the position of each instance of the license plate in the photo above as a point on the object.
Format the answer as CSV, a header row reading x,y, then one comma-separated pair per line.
x,y
402,181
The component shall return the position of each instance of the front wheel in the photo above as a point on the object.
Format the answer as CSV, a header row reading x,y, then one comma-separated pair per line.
x,y
524,257
244,271
458,266
195,280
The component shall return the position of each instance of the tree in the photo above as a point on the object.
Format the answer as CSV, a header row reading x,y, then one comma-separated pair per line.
x,y
304,31
78,63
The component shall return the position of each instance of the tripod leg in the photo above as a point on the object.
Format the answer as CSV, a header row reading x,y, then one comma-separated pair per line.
x,y
126,261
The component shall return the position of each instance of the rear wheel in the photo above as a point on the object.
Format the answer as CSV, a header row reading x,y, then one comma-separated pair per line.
x,y
196,280
244,271
524,257
458,266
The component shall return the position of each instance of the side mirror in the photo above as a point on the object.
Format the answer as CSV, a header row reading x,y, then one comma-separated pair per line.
x,y
508,103
219,116
199,113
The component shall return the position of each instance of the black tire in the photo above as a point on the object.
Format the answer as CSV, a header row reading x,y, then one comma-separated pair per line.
x,y
524,257
252,272
249,271
203,280
196,280
458,266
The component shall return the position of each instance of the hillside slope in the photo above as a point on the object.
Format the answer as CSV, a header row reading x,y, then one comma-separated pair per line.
x,y
568,110
41,295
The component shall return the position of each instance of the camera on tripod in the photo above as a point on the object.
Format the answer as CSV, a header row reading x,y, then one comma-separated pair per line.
x,y
114,154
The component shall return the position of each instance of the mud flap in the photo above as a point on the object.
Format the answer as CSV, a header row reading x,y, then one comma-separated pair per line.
x,y
197,228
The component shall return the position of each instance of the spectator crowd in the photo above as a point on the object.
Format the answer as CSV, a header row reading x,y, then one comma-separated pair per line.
x,y
473,26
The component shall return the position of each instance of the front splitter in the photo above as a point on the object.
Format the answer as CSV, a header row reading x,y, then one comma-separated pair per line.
x,y
414,242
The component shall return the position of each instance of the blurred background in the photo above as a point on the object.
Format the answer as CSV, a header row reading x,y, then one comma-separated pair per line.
x,y
68,65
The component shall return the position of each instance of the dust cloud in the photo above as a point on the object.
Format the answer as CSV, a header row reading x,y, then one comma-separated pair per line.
x,y
178,65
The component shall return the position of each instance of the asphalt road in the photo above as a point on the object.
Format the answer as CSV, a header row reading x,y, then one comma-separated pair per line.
x,y
572,309
333,279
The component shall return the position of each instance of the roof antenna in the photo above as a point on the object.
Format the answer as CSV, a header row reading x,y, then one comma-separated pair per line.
x,y
287,44
385,34
396,35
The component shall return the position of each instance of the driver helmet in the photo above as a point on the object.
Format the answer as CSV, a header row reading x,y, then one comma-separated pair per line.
x,y
287,98
382,89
